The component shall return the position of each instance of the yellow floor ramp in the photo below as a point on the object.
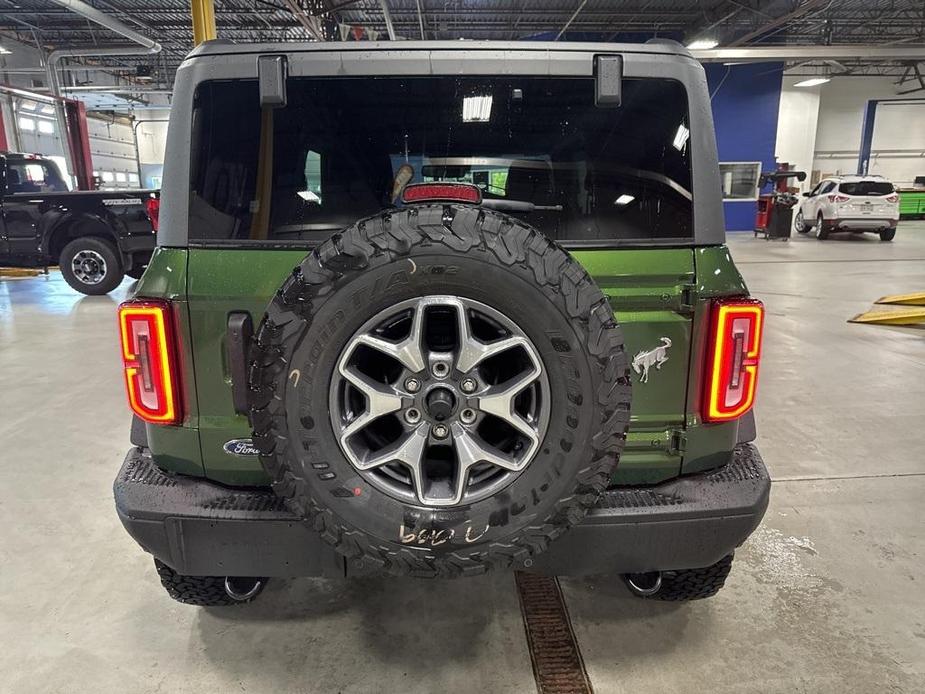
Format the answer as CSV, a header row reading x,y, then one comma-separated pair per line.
x,y
19,272
917,299
900,316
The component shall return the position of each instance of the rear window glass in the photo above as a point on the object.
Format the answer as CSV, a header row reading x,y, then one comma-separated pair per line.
x,y
344,148
866,188
33,176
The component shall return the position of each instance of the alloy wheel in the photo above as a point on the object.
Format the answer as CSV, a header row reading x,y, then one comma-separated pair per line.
x,y
440,401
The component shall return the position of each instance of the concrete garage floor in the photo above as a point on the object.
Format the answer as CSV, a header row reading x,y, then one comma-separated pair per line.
x,y
827,596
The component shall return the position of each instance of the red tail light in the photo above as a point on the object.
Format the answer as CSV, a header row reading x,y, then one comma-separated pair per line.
x,y
153,208
441,192
892,198
838,198
733,359
148,356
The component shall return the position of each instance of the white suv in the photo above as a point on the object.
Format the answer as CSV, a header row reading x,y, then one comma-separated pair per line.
x,y
850,203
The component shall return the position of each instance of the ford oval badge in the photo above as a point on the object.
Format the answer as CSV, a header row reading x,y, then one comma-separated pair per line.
x,y
242,448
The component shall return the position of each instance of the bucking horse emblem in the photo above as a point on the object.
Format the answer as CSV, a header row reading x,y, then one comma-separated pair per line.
x,y
643,361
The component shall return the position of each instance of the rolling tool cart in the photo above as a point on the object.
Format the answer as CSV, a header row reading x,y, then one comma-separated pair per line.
x,y
774,218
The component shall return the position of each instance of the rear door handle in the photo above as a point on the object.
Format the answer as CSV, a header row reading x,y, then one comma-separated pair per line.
x,y
239,334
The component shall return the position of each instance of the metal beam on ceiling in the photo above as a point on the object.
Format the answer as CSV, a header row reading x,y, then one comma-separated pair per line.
x,y
777,53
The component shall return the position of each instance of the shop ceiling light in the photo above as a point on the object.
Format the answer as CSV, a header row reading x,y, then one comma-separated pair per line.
x,y
680,137
812,82
702,44
476,109
624,199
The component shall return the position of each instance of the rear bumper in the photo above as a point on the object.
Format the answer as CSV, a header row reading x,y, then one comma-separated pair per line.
x,y
864,223
200,528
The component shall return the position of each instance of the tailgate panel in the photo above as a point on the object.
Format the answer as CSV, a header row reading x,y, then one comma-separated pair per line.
x,y
648,289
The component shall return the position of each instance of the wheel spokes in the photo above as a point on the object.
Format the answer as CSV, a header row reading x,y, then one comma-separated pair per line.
x,y
381,399
407,352
499,401
472,351
408,450
471,451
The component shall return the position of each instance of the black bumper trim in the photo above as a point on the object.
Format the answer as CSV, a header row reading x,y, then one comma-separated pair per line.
x,y
201,528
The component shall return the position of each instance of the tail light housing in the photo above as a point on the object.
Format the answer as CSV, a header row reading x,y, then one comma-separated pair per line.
x,y
153,208
892,198
149,360
838,198
733,356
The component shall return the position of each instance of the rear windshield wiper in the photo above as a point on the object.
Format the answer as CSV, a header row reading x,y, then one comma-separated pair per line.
x,y
517,206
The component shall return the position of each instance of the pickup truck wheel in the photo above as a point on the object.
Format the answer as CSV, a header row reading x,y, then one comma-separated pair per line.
x,y
440,390
887,234
686,584
209,591
91,265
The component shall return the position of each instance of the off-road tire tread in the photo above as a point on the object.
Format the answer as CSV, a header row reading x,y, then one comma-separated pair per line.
x,y
382,239
693,584
205,591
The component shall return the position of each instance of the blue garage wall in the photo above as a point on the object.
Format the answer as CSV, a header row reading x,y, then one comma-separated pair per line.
x,y
746,99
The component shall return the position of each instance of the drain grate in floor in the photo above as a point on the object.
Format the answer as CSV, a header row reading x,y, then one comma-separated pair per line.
x,y
557,663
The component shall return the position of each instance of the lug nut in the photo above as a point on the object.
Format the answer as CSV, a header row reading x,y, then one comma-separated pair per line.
x,y
412,416
412,385
441,369
468,385
467,416
440,431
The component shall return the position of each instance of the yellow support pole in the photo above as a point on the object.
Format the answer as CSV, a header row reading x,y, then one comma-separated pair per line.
x,y
203,12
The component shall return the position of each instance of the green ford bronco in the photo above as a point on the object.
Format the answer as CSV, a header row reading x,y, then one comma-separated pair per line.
x,y
432,309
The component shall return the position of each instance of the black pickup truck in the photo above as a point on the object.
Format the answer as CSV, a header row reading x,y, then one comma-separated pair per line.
x,y
96,237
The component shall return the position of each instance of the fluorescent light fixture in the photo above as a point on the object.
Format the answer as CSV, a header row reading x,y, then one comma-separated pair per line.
x,y
309,196
681,137
5,51
812,82
702,44
476,109
624,200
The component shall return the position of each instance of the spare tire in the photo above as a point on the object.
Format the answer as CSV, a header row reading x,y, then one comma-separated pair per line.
x,y
439,390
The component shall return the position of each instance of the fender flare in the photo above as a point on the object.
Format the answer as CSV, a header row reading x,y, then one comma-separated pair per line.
x,y
56,221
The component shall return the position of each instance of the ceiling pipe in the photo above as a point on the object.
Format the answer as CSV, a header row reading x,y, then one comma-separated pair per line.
x,y
111,23
420,18
310,24
570,19
389,27
145,46
760,54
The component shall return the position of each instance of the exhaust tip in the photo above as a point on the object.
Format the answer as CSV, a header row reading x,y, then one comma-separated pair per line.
x,y
645,584
242,588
